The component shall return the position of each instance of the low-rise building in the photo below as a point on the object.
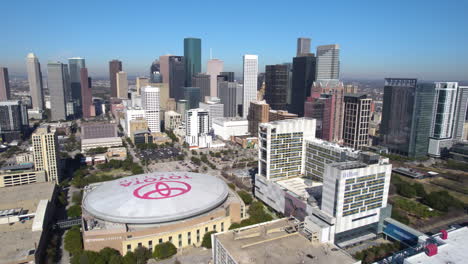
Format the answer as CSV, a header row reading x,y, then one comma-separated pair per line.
x,y
228,127
245,141
87,144
116,153
20,175
172,120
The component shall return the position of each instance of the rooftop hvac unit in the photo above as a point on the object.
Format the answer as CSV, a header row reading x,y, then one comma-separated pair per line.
x,y
443,234
431,250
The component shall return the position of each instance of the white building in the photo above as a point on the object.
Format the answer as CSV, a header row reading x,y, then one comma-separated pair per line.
x,y
132,113
328,62
197,128
250,82
35,82
213,68
46,154
214,107
172,120
282,147
150,103
355,191
230,126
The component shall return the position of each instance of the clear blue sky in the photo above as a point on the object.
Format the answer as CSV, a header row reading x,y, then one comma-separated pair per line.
x,y
378,38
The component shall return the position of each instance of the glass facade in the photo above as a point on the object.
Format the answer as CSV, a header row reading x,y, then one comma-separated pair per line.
x,y
192,54
421,120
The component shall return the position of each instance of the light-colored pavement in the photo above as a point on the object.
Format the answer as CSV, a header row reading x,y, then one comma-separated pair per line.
x,y
189,255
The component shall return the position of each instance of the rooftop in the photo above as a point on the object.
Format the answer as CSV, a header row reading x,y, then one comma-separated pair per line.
x,y
272,243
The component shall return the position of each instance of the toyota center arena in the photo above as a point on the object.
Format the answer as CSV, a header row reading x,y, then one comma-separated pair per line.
x,y
147,209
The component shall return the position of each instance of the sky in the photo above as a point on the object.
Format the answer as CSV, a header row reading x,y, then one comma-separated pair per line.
x,y
393,38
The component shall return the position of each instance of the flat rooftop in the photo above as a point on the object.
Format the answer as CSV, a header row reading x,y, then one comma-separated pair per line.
x,y
270,243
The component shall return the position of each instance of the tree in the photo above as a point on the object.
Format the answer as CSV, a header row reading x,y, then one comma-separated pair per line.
x,y
406,190
245,196
442,201
116,259
164,250
370,256
74,211
129,258
419,188
77,197
142,254
235,226
206,242
72,240
87,257
107,253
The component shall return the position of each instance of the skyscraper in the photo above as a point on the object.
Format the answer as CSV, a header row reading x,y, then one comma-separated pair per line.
x,y
150,103
356,120
35,81
4,84
115,66
176,77
57,84
328,62
303,46
74,66
164,67
276,86
45,153
86,94
213,68
192,54
302,79
227,76
203,81
259,112
197,128
192,95
214,107
13,120
461,111
122,85
155,72
250,70
141,82
230,94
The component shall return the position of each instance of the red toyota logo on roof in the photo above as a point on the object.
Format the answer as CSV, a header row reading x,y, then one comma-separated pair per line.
x,y
162,190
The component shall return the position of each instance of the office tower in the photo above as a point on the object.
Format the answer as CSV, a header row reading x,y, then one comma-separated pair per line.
x,y
192,95
115,66
197,128
230,94
57,85
140,82
155,72
164,67
86,94
350,88
131,114
289,75
281,152
172,120
355,191
319,153
203,81
406,116
260,81
276,86
303,46
250,70
171,105
163,94
326,105
182,107
74,66
356,120
176,77
258,113
214,107
303,77
226,76
35,81
150,103
4,84
213,68
443,117
13,120
122,85
460,116
45,153
192,55
328,62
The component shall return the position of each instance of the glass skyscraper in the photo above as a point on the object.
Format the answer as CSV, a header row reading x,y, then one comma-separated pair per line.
x,y
192,54
74,66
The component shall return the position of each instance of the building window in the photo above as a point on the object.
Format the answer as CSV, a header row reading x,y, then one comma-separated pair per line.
x,y
214,227
150,244
222,226
170,239
129,247
160,240
206,229
180,243
139,244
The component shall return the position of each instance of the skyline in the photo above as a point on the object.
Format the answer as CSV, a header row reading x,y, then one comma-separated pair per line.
x,y
395,39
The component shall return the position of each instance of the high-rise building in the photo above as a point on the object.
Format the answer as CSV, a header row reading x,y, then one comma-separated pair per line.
x,y
164,67
214,107
57,85
258,113
202,81
35,82
406,116
281,152
461,114
182,107
74,66
192,95
163,95
176,77
115,66
192,55
197,128
303,46
155,72
351,88
354,192
328,62
86,94
226,76
230,94
250,70
213,68
4,84
172,120
356,120
45,153
303,77
13,120
150,103
276,86
122,85
289,72
140,82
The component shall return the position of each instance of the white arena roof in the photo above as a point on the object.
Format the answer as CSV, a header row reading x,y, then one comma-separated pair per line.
x,y
155,197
